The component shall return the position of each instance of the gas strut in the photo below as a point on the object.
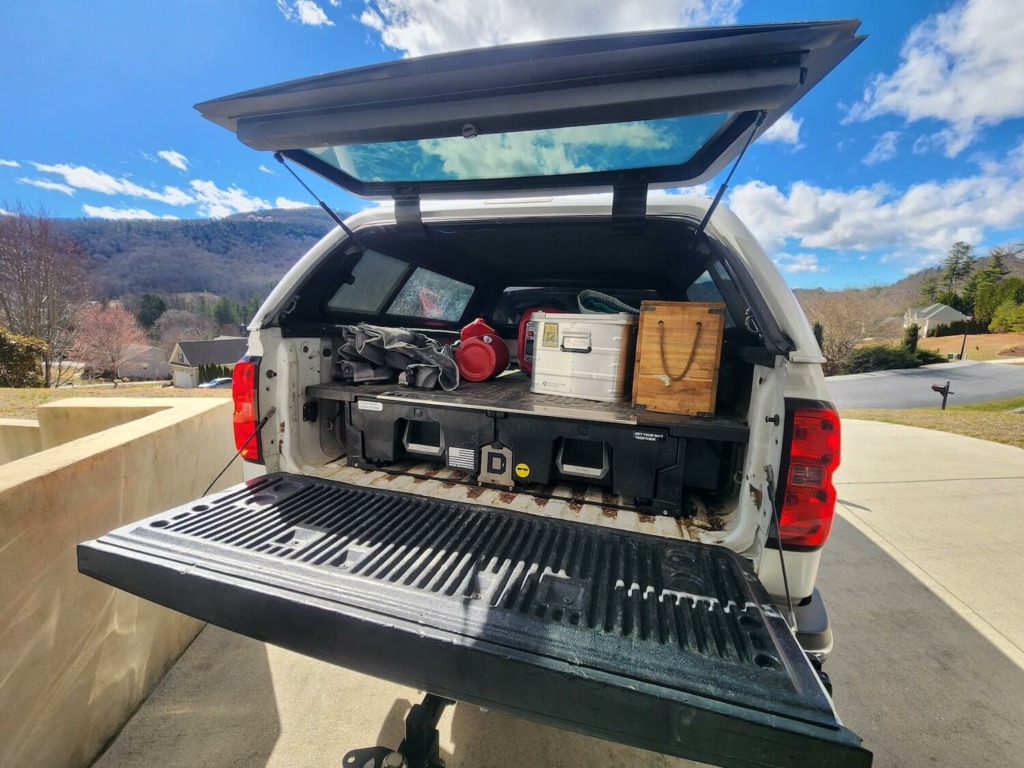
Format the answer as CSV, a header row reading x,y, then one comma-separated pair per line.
x,y
725,184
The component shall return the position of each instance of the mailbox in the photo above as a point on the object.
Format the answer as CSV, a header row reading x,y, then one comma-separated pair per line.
x,y
944,391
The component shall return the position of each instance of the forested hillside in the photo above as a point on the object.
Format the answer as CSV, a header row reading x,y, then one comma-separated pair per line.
x,y
906,293
236,256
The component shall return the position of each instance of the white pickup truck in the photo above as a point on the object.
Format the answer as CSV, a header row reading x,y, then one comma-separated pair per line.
x,y
641,576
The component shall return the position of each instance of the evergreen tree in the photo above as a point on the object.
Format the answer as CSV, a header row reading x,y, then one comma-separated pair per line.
x,y
957,265
225,311
996,271
972,287
991,297
950,299
930,287
819,334
151,306
252,306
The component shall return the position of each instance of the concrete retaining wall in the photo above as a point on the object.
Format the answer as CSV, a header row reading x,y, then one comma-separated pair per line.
x,y
18,438
61,422
77,657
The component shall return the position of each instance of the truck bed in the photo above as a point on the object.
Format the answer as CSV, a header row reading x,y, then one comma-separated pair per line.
x,y
668,645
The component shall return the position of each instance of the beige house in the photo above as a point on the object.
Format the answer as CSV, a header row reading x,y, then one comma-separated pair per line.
x,y
188,356
144,363
931,316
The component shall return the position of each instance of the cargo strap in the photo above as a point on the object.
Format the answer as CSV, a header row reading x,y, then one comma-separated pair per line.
x,y
689,362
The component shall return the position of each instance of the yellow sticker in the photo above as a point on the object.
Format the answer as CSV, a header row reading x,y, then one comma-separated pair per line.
x,y
550,335
523,470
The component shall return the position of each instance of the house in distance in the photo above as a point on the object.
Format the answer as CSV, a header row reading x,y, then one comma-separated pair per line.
x,y
193,362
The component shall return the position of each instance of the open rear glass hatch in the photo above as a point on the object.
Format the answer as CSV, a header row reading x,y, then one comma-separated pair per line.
x,y
667,108
668,645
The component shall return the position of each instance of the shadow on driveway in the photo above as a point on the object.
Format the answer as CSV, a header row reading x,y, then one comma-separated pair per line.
x,y
917,682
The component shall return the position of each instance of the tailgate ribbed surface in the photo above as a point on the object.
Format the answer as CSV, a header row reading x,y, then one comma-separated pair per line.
x,y
688,618
693,597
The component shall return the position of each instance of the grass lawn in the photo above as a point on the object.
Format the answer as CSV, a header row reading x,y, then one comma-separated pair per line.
x,y
22,403
987,421
985,346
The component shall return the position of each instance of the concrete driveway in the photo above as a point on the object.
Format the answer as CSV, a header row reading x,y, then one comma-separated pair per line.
x,y
973,382
922,579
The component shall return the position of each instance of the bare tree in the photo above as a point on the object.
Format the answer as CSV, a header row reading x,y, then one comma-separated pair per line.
x,y
176,325
43,280
106,337
848,318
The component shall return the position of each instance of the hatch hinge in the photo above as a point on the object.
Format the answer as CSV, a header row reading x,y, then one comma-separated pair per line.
x,y
629,207
408,216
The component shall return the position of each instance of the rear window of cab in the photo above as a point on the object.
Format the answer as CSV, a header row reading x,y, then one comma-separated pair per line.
x,y
381,284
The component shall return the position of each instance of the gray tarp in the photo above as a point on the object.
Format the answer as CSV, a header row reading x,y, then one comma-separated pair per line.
x,y
374,352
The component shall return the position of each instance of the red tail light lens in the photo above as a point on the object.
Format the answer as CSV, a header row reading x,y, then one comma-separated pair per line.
x,y
244,380
809,497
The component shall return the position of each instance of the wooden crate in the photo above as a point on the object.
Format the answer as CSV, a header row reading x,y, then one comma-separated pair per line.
x,y
687,330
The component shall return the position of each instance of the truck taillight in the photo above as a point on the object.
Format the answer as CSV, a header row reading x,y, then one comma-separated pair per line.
x,y
244,380
810,457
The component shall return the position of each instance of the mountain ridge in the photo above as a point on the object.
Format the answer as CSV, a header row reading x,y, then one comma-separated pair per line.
x,y
237,256
248,253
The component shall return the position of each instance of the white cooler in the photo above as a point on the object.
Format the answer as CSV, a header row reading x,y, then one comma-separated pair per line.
x,y
587,356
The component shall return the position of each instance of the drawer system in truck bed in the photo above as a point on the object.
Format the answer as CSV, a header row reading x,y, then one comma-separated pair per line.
x,y
668,645
503,434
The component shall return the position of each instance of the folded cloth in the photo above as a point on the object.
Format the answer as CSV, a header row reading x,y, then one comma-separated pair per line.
x,y
597,303
419,361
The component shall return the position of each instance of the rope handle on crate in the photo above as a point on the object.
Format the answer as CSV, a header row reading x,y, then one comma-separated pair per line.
x,y
664,361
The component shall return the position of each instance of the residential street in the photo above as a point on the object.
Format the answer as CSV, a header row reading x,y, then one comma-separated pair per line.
x,y
922,579
972,382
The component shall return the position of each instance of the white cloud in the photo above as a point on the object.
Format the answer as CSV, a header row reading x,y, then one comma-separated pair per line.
x,y
4,212
785,130
921,220
109,212
264,169
962,67
305,12
9,163
884,149
81,177
284,202
418,27
174,159
798,263
538,153
53,186
216,203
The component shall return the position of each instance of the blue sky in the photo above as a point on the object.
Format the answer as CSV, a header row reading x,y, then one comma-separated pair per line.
x,y
913,142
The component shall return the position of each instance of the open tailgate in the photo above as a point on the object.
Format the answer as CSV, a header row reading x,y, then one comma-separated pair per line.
x,y
667,645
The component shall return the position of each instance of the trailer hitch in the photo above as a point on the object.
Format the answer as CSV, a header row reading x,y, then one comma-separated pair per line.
x,y
419,749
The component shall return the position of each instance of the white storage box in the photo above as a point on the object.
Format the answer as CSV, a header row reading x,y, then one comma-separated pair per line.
x,y
587,356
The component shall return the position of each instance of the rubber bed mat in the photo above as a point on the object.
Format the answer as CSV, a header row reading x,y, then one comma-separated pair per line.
x,y
668,645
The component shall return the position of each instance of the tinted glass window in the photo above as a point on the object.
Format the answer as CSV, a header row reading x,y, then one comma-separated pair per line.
x,y
706,289
548,152
429,295
374,278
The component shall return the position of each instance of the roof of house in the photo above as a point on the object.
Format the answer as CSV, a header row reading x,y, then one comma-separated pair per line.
x,y
224,350
932,311
137,350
